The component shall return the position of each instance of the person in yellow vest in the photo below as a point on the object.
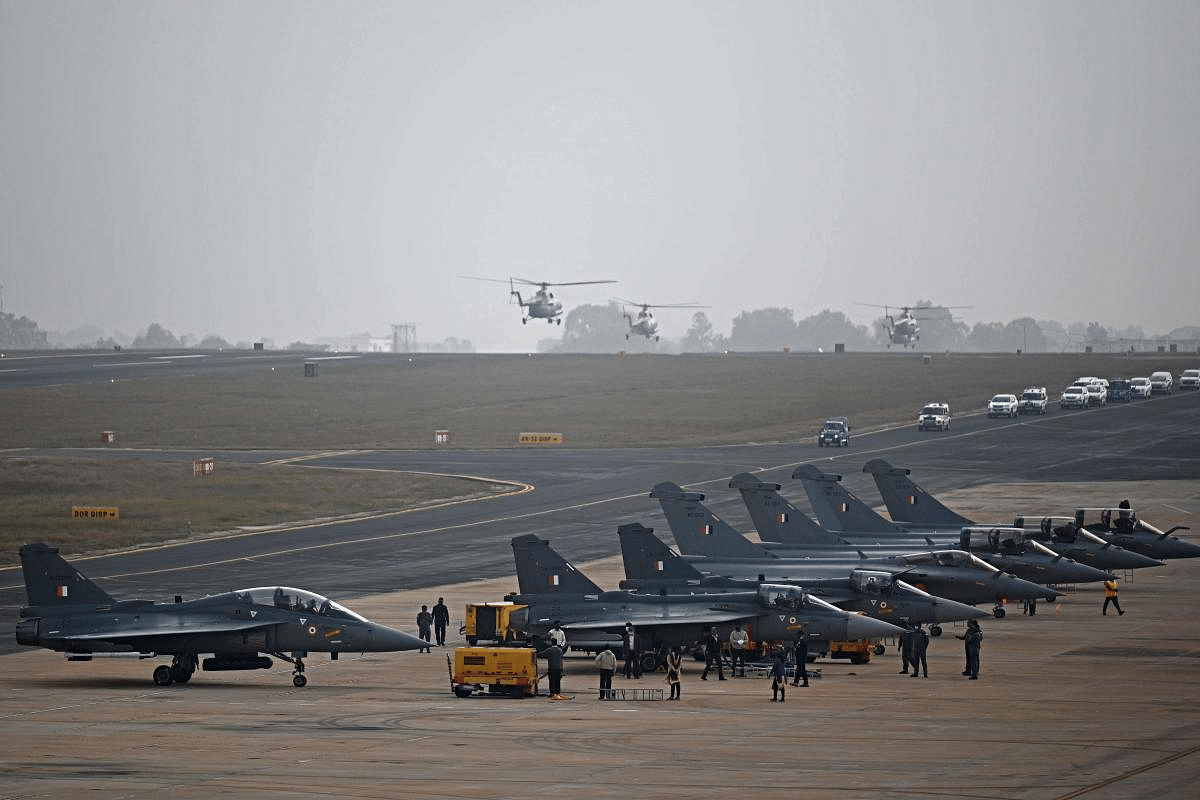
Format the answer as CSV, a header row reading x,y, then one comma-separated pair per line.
x,y
1110,596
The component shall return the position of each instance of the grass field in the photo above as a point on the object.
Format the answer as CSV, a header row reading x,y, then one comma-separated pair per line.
x,y
388,402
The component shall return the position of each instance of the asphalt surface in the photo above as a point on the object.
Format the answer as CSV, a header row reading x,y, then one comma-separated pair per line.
x,y
1071,704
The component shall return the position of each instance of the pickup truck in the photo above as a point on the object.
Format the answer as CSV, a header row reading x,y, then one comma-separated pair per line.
x,y
1033,401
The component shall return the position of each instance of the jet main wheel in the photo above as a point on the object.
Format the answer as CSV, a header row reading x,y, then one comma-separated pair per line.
x,y
998,612
180,675
162,675
880,649
299,681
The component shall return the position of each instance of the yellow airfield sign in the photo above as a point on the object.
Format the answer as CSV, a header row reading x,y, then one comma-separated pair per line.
x,y
95,512
539,438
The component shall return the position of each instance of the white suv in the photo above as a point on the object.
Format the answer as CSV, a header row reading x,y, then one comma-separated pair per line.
x,y
1003,405
934,417
1033,401
1161,383
1189,379
1139,387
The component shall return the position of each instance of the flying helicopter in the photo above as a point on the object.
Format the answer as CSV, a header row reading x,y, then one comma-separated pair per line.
x,y
644,324
903,328
543,304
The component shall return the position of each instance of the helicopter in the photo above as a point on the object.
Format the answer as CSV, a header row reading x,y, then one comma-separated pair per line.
x,y
543,304
644,324
902,329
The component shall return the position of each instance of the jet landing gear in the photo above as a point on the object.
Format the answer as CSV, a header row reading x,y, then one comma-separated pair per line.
x,y
998,611
297,661
180,671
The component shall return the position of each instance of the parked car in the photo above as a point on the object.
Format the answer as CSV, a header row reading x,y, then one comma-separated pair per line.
x,y
834,433
1033,401
934,417
1189,379
1097,394
1002,405
1119,391
1074,397
1139,387
1161,383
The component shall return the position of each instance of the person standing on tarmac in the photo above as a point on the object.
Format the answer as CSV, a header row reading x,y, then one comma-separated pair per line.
x,y
674,671
424,620
633,651
712,655
1110,596
441,618
800,655
738,639
905,647
972,642
606,662
778,678
920,646
554,666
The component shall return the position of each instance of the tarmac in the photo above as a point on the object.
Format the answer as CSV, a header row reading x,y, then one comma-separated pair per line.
x,y
1070,704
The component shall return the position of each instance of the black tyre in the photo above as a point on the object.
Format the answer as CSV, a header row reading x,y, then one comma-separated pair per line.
x,y
299,681
162,676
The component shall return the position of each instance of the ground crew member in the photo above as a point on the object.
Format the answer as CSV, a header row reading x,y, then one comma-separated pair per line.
x,y
554,664
712,655
606,662
1110,596
738,640
920,645
674,671
905,646
559,636
441,618
972,642
632,645
424,620
800,655
778,678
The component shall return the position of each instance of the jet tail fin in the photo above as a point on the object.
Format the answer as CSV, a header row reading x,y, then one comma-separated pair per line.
x,y
775,518
51,581
698,531
647,558
835,507
908,502
540,570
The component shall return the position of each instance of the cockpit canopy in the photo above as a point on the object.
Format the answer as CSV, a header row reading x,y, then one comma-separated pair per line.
x,y
871,581
291,599
1107,518
994,539
779,596
950,558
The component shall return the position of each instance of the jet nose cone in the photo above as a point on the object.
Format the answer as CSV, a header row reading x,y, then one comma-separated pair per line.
x,y
860,627
382,639
950,611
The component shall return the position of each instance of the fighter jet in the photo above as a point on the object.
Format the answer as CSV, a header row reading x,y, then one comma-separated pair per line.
x,y
553,590
652,566
70,614
909,504
718,549
1006,548
1122,527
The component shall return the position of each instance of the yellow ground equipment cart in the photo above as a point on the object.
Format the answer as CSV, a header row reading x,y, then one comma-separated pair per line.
x,y
487,621
859,652
505,671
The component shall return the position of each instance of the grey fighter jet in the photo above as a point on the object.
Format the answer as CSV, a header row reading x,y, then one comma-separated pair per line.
x,y
553,590
911,505
652,566
70,614
1005,548
1122,527
718,549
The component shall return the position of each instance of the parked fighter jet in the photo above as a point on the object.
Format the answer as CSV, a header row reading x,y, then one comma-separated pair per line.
x,y
910,504
652,566
718,549
552,589
70,614
1121,526
1006,548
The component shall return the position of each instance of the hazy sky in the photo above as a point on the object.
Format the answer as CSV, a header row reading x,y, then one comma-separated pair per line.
x,y
295,169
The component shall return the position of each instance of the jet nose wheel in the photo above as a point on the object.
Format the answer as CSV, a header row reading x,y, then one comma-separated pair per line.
x,y
998,612
935,630
299,681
